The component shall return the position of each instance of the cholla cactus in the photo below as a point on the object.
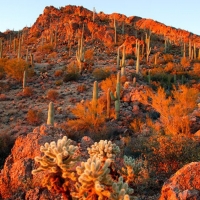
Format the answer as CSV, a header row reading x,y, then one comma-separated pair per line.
x,y
58,159
121,190
94,179
104,150
135,169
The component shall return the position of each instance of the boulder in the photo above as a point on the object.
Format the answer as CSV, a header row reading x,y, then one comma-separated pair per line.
x,y
16,179
184,184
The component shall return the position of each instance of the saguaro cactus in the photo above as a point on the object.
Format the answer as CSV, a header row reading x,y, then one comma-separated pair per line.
x,y
108,103
24,79
95,95
116,97
123,61
115,28
19,50
118,59
94,11
148,48
138,56
80,52
50,120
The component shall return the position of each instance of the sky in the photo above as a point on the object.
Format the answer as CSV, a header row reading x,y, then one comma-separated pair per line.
x,y
183,14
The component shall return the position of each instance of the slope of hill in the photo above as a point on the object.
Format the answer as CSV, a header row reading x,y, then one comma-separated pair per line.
x,y
154,115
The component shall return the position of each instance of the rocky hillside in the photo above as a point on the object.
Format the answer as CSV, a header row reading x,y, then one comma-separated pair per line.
x,y
149,70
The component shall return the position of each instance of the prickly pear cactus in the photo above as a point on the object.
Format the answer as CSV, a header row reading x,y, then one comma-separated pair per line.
x,y
104,150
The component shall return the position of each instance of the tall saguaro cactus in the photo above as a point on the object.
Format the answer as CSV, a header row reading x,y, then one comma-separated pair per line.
x,y
148,48
80,52
50,119
108,103
116,97
115,28
138,56
93,16
19,50
24,79
123,64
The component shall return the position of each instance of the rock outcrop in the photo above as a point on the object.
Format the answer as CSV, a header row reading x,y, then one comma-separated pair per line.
x,y
16,180
184,184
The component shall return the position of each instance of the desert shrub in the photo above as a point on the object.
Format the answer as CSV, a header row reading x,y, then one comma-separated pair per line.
x,y
168,58
32,40
137,125
81,88
196,70
110,82
6,144
58,73
35,116
52,55
28,91
101,73
185,62
165,154
89,55
52,94
175,109
46,48
3,97
72,72
159,77
15,68
88,118
2,66
169,67
123,79
131,62
58,82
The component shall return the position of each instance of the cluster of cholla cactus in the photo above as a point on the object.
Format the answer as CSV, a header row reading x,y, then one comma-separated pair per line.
x,y
104,150
135,170
97,178
58,159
